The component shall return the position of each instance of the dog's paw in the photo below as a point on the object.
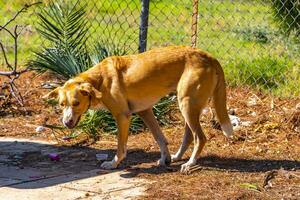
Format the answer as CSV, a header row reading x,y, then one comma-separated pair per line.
x,y
165,160
185,168
175,158
109,165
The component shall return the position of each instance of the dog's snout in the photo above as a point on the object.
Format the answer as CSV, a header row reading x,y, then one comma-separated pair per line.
x,y
69,123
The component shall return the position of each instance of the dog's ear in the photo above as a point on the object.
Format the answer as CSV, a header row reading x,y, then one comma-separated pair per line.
x,y
87,89
53,94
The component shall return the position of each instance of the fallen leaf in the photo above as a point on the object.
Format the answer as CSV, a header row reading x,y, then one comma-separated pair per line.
x,y
250,186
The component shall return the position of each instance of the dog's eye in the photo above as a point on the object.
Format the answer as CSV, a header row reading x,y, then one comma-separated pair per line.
x,y
62,104
75,103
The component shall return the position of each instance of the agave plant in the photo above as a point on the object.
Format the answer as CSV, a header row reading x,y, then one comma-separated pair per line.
x,y
95,122
65,29
101,50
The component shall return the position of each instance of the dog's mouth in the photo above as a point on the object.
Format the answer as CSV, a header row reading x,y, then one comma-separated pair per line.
x,y
71,123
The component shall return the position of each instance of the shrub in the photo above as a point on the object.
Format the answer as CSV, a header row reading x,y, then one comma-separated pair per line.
x,y
254,34
265,72
287,12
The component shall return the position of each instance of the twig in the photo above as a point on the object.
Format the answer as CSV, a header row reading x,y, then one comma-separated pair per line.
x,y
5,57
26,6
8,31
16,47
14,74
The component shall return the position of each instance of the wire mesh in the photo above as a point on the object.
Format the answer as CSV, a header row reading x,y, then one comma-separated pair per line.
x,y
257,42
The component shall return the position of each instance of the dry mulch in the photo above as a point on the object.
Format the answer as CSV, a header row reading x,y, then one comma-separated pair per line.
x,y
261,162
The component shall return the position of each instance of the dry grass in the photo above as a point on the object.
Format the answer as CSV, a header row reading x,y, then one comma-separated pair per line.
x,y
268,148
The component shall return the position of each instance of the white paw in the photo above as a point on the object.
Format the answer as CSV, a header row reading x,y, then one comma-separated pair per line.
x,y
109,165
185,168
161,162
175,158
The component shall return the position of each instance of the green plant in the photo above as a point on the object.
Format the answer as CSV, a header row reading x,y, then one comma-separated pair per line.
x,y
287,13
102,50
65,28
255,34
97,121
265,72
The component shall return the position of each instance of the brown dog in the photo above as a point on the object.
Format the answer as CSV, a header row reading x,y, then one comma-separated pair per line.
x,y
134,83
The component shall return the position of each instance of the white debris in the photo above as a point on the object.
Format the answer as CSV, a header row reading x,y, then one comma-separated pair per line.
x,y
252,102
101,156
246,123
48,85
235,121
253,114
40,129
298,106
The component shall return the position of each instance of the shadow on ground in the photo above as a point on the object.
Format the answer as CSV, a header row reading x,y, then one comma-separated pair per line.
x,y
28,162
216,163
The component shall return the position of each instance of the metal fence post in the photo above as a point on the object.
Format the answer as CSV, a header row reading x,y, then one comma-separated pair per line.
x,y
194,22
144,26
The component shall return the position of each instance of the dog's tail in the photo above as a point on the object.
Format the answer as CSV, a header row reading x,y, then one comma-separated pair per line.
x,y
219,101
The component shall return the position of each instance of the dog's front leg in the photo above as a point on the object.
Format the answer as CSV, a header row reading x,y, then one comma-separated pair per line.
x,y
123,122
149,119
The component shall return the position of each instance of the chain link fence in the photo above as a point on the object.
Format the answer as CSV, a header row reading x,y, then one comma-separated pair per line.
x,y
256,41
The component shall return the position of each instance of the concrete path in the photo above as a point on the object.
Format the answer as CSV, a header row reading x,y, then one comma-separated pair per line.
x,y
26,172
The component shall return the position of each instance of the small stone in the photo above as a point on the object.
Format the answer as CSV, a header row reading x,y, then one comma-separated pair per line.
x,y
298,106
232,111
40,129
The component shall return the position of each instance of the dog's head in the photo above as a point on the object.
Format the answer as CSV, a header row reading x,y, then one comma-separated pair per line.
x,y
75,98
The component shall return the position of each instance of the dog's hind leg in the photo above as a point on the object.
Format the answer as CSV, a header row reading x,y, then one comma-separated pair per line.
x,y
186,141
191,114
149,119
193,91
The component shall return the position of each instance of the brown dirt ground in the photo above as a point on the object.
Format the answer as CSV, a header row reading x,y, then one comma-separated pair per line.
x,y
269,148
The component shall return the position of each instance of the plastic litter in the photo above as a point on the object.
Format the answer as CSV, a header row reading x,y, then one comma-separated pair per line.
x,y
54,156
101,156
